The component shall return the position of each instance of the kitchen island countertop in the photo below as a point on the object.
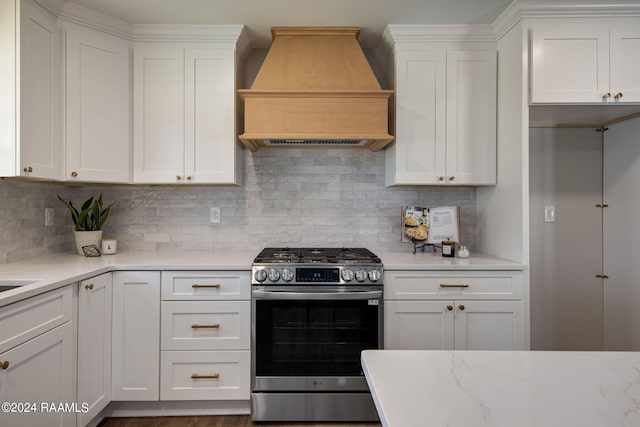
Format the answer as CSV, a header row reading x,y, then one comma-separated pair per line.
x,y
504,388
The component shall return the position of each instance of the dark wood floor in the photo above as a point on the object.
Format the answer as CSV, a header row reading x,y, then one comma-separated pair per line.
x,y
213,421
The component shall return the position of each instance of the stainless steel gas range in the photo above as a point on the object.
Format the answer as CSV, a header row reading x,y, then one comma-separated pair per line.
x,y
314,311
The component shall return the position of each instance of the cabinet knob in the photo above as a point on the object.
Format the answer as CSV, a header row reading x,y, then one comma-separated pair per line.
x,y
74,174
461,307
618,95
449,307
89,286
178,177
452,178
4,365
441,178
188,177
606,96
28,169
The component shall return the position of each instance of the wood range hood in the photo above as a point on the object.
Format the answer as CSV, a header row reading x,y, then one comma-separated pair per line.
x,y
316,89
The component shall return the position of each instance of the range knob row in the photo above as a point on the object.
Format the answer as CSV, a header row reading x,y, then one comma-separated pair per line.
x,y
287,275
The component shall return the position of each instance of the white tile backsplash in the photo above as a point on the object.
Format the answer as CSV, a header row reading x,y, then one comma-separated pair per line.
x,y
294,197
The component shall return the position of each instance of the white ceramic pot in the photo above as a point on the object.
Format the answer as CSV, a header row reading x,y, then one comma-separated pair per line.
x,y
85,238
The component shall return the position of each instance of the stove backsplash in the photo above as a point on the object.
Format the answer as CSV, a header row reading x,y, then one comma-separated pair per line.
x,y
292,197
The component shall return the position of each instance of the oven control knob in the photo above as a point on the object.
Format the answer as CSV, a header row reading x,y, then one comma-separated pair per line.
x,y
347,275
273,274
374,275
361,275
260,275
287,275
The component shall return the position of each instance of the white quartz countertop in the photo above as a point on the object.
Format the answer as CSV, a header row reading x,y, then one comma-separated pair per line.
x,y
54,271
435,261
51,272
504,388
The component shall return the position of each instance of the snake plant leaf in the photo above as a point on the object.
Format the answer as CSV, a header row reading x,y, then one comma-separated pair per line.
x,y
91,216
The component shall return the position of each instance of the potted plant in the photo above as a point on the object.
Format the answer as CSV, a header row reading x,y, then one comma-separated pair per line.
x,y
88,221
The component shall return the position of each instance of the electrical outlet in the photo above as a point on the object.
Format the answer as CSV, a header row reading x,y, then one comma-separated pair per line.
x,y
215,216
49,216
550,213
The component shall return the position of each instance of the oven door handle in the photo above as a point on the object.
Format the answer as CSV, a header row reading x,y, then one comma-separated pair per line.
x,y
284,295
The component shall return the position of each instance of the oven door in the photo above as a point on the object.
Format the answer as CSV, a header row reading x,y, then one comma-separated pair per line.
x,y
310,338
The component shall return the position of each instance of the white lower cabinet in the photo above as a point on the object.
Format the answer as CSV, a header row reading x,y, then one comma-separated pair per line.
x,y
136,336
38,370
94,345
205,339
450,310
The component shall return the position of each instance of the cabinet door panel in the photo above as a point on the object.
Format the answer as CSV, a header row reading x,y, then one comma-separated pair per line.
x,y
136,335
420,114
471,117
41,371
40,94
489,325
570,64
98,118
94,344
158,115
625,62
210,143
418,325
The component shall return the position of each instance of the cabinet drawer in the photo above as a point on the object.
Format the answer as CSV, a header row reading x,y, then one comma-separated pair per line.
x,y
205,325
223,375
27,319
407,285
206,285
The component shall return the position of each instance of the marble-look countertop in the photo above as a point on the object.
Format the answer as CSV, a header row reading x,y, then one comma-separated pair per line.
x,y
414,388
54,271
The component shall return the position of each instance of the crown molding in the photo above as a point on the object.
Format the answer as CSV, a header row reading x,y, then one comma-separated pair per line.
x,y
529,10
439,33
89,18
52,6
507,19
189,33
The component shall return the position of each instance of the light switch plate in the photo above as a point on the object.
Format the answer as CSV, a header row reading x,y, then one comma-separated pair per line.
x,y
215,216
550,213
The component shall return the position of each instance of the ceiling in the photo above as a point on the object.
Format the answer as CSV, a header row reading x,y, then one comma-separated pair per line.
x,y
260,15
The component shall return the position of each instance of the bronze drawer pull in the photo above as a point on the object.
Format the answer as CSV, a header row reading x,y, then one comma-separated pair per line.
x,y
205,377
214,326
198,286
462,285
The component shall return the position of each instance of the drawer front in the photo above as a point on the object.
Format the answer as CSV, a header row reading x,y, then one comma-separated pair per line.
x,y
205,375
206,325
27,319
493,285
206,285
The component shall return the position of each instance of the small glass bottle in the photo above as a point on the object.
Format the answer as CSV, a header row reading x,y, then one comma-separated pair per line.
x,y
463,251
448,248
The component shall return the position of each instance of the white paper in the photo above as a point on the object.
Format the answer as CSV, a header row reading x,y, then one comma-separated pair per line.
x,y
443,224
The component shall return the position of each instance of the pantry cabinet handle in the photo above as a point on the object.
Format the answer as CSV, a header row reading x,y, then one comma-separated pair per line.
x,y
618,95
74,174
449,307
89,286
205,377
461,285
4,365
461,307
28,169
198,286
441,178
452,178
178,177
213,326
606,96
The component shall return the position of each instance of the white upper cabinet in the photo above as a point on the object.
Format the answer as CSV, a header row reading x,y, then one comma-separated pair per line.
x,y
185,111
98,131
445,113
588,63
30,95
